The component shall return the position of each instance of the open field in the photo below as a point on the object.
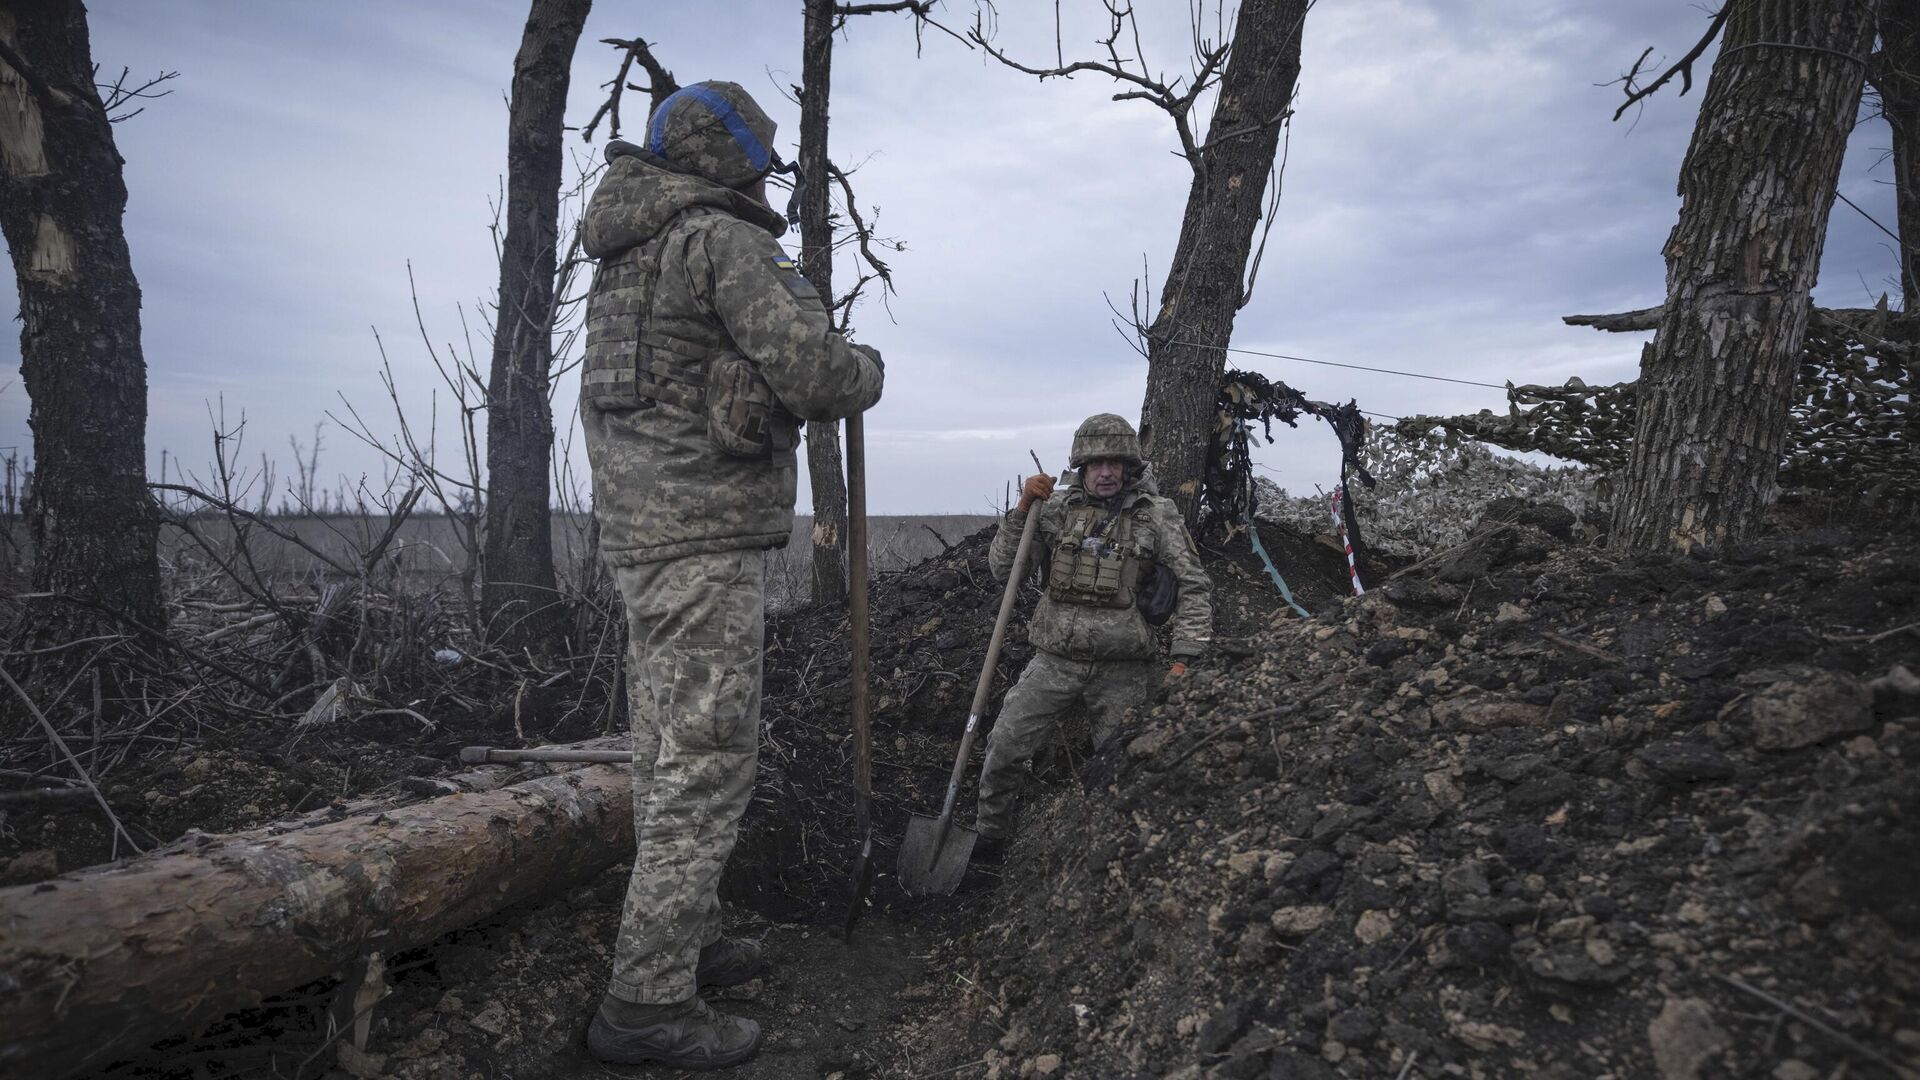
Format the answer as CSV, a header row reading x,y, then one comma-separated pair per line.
x,y
431,547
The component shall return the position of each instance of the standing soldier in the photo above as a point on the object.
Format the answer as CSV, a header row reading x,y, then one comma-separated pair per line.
x,y
705,348
1120,562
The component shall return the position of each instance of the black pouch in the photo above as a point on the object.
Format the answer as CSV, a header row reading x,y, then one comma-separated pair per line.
x,y
744,419
1157,594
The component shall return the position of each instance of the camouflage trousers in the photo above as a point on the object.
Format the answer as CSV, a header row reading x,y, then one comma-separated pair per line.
x,y
1048,688
695,631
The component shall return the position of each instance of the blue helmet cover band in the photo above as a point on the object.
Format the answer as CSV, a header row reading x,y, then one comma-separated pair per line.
x,y
758,155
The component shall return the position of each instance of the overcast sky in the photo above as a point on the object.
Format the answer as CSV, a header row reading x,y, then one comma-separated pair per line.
x,y
1455,185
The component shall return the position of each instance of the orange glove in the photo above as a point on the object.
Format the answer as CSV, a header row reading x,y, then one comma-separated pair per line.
x,y
1178,670
1038,488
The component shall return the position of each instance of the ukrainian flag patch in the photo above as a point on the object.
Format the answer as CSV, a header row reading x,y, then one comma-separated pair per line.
x,y
797,286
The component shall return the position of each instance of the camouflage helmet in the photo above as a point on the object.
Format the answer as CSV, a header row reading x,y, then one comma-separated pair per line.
x,y
715,130
1104,435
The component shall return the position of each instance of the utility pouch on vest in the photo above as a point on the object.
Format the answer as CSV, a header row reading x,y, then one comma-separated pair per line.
x,y
1159,594
744,419
1094,569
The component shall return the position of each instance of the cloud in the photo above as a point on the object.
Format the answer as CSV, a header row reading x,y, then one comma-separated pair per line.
x,y
1455,184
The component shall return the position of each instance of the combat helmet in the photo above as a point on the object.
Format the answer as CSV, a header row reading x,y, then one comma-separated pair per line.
x,y
715,130
1104,435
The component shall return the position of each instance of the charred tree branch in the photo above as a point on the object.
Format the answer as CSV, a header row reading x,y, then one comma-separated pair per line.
x,y
1682,68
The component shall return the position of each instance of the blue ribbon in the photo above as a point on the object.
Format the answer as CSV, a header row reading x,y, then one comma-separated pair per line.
x,y
757,153
1253,530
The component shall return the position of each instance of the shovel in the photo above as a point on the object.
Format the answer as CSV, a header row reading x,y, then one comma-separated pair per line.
x,y
857,625
490,755
935,851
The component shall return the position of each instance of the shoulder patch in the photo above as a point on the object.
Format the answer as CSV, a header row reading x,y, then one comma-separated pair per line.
x,y
796,284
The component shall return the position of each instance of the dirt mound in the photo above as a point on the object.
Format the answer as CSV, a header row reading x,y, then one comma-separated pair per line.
x,y
1529,808
930,630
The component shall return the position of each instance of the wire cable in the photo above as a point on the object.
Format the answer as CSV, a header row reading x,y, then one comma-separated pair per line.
x,y
1330,363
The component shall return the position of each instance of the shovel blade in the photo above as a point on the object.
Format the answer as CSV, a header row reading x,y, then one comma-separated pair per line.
x,y
931,865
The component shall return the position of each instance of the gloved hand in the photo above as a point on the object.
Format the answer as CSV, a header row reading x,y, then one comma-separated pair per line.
x,y
873,354
1178,670
1038,488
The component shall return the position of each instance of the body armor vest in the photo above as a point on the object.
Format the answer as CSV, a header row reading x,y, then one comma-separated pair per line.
x,y
659,367
1095,561
744,419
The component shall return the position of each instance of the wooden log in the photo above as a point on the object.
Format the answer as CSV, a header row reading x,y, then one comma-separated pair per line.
x,y
95,966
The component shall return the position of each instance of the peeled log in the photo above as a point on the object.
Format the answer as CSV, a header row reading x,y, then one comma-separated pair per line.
x,y
96,966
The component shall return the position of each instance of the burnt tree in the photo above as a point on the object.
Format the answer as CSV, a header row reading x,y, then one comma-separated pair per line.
x,y
812,210
811,192
518,595
1209,281
1186,351
1895,75
62,197
1756,189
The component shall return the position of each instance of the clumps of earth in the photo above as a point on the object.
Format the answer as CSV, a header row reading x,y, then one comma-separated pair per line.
x,y
1526,809
930,628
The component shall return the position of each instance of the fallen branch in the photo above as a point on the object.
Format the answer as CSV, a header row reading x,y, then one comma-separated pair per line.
x,y
39,795
1824,1028
119,830
102,963
1870,639
1582,648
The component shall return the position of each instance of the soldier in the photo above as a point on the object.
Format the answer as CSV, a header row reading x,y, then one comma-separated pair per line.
x,y
1118,557
705,348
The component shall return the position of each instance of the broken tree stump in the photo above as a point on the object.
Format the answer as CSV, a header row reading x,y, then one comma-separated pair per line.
x,y
97,965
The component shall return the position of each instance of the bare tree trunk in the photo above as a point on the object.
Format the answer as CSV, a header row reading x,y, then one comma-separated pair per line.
x,y
1204,286
1896,75
518,596
61,201
824,466
1756,189
101,963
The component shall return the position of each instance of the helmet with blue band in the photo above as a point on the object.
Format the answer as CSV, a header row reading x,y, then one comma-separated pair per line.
x,y
715,130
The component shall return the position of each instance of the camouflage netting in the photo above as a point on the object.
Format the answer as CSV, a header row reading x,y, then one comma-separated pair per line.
x,y
1248,398
1431,490
1853,429
1423,490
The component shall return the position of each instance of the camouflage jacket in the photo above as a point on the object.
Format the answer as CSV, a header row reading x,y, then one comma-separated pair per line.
x,y
661,489
1081,631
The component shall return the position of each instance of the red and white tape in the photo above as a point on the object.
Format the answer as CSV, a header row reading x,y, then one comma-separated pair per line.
x,y
1340,523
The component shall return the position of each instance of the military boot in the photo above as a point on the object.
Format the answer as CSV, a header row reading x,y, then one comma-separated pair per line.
x,y
689,1034
730,962
991,850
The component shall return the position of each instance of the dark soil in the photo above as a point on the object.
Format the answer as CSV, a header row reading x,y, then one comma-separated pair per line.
x,y
1532,809
1529,807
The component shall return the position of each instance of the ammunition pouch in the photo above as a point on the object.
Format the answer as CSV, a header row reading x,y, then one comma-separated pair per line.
x,y
744,418
1094,568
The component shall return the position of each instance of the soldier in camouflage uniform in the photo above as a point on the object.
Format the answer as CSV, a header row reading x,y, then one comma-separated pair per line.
x,y
705,348
1101,540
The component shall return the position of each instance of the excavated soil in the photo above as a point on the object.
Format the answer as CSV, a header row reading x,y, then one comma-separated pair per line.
x,y
1531,809
1528,807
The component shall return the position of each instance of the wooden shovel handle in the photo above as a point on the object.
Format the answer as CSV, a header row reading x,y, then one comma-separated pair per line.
x,y
857,614
985,686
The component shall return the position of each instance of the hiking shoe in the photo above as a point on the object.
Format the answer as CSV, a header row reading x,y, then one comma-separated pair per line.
x,y
730,962
689,1034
